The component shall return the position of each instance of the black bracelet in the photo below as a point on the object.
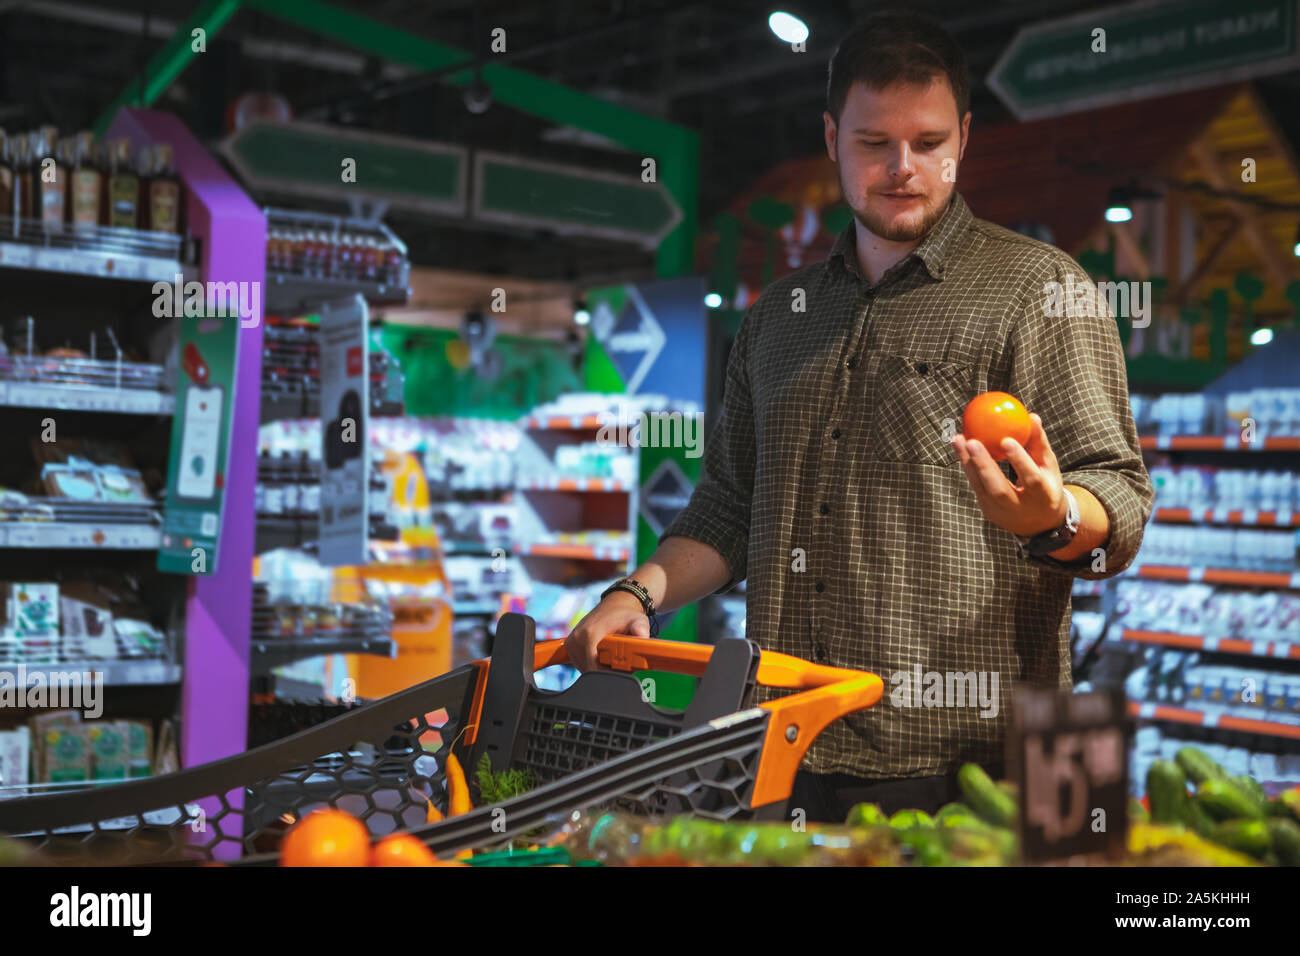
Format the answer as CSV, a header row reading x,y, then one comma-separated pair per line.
x,y
637,590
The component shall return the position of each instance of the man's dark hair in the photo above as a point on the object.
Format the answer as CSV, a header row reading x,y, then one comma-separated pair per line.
x,y
896,46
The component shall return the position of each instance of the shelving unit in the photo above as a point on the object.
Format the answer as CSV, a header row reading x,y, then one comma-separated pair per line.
x,y
1199,718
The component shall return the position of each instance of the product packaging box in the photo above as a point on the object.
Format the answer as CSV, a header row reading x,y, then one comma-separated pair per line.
x,y
109,749
15,757
167,758
139,748
33,609
65,755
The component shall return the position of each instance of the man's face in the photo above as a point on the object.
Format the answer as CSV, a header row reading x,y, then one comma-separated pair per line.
x,y
890,146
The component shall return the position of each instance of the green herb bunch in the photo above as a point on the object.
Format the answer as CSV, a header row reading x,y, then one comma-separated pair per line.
x,y
496,787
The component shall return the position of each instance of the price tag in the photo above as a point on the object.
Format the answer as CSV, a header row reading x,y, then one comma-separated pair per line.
x,y
1147,710
1295,580
1069,756
1196,574
1281,649
1220,515
1210,718
1210,643
21,537
1232,442
1260,648
1250,516
1163,442
1282,517
16,254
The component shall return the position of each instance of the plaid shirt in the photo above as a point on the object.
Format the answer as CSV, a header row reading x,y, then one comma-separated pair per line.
x,y
831,486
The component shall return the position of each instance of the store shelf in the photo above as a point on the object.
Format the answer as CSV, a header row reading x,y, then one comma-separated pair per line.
x,y
1217,443
281,407
1253,579
84,398
471,549
287,292
475,608
580,552
119,673
101,251
564,422
576,484
276,531
1200,718
59,534
1221,645
276,652
1242,517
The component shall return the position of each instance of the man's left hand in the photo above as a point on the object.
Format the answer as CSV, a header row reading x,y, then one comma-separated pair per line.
x,y
1034,505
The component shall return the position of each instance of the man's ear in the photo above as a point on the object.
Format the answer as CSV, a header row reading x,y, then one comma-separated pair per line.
x,y
965,135
831,133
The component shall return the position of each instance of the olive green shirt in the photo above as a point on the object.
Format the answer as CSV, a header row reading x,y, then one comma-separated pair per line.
x,y
831,486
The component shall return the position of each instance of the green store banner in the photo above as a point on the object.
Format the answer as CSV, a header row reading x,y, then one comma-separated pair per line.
x,y
200,444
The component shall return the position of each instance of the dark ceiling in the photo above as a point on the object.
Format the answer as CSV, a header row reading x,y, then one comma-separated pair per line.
x,y
711,66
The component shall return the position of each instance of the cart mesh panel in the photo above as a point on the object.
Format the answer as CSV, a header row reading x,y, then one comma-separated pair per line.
x,y
561,740
376,762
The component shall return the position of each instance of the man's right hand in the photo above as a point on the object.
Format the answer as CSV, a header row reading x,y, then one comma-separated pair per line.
x,y
620,613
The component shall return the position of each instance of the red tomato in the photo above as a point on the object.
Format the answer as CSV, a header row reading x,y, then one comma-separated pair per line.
x,y
993,416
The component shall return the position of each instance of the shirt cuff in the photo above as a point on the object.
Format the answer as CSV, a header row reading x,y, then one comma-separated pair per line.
x,y
1127,522
720,535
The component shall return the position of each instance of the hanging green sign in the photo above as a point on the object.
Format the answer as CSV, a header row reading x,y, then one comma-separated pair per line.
x,y
200,445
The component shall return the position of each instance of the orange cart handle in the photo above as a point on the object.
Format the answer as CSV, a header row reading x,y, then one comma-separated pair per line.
x,y
621,652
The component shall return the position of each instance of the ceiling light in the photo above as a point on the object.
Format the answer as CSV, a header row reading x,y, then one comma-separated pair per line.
x,y
787,27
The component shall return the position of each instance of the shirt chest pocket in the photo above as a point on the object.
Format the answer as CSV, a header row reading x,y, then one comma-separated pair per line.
x,y
919,406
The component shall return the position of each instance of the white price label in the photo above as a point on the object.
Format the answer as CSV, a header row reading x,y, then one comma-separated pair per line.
x,y
1260,648
1146,710
1210,643
1210,719
1232,442
1295,580
1219,514
1163,442
1281,649
1250,516
1196,574
1282,517
16,255
20,537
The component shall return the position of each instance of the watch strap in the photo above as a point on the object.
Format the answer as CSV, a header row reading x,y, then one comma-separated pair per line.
x,y
637,590
1056,538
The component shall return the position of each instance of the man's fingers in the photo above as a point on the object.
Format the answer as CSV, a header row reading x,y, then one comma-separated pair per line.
x,y
1039,449
1027,470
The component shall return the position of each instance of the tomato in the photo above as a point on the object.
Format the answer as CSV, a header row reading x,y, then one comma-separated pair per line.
x,y
402,849
326,838
993,416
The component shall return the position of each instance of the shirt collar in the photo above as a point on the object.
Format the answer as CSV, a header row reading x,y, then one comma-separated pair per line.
x,y
935,251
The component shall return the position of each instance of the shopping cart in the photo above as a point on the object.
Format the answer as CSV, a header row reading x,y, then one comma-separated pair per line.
x,y
602,742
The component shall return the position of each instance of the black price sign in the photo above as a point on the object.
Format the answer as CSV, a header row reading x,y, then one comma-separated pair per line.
x,y
1068,754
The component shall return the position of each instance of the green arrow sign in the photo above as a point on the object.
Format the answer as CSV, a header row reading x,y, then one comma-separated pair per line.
x,y
331,162
571,200
1149,50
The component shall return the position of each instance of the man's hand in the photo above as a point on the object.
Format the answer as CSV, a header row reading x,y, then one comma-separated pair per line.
x,y
1034,505
620,613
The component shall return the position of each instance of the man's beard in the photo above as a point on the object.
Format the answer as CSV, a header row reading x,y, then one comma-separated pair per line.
x,y
901,232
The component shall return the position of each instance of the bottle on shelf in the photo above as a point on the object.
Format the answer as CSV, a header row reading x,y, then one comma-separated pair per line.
x,y
24,184
160,191
49,179
122,197
86,185
6,176
392,265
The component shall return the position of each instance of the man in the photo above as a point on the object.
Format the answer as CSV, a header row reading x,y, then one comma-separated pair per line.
x,y
872,536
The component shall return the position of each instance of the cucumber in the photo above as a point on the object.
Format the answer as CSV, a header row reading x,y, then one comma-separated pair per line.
x,y
1199,766
952,809
1251,837
1286,840
1167,793
866,815
1200,822
1224,800
908,819
1252,791
984,796
963,821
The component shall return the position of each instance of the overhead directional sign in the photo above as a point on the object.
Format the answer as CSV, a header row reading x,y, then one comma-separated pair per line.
x,y
634,338
334,162
571,200
1150,49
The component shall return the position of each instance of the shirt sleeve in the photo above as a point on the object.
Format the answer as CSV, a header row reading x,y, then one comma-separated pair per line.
x,y
719,509
1068,367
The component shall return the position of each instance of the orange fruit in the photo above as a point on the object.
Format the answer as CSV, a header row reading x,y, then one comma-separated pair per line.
x,y
326,838
993,416
402,849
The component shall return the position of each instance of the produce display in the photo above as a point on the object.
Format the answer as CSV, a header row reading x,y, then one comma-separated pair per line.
x,y
1193,794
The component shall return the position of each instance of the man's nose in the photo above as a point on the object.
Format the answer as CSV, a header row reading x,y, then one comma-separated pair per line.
x,y
900,163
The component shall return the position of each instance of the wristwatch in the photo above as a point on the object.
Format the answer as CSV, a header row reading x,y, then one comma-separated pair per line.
x,y
1045,542
638,591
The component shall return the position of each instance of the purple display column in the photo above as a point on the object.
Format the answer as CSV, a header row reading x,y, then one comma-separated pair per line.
x,y
214,704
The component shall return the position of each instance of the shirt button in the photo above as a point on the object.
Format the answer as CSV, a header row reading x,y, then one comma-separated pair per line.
x,y
835,433
820,653
922,368
821,586
852,363
825,508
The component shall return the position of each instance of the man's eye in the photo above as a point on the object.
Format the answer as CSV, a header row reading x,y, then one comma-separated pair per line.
x,y
932,145
866,143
